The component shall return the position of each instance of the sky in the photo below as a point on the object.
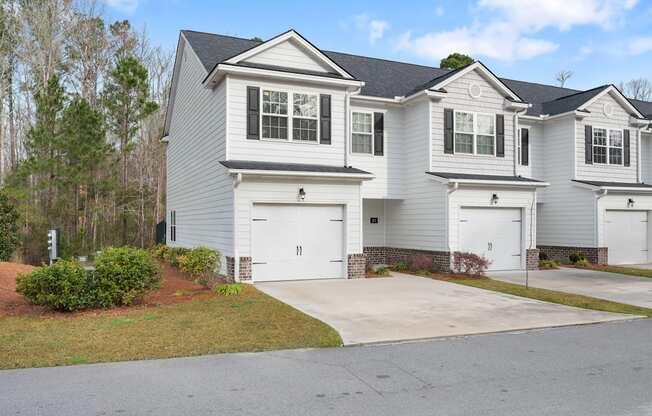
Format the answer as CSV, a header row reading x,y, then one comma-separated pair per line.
x,y
600,41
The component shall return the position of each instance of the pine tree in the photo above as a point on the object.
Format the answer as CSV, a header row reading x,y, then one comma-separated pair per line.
x,y
8,228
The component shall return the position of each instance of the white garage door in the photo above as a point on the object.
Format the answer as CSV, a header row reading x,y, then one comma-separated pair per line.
x,y
626,236
294,242
494,233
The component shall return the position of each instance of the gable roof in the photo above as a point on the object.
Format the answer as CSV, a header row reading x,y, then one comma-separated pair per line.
x,y
389,79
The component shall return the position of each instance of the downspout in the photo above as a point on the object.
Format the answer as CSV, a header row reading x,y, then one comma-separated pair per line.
x,y
237,179
598,196
455,186
517,138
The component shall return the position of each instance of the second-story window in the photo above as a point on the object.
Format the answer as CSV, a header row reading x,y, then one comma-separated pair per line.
x,y
475,133
304,120
607,146
275,115
361,132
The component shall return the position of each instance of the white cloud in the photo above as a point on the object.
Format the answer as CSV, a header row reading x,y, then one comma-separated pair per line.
x,y
374,28
504,29
639,46
125,6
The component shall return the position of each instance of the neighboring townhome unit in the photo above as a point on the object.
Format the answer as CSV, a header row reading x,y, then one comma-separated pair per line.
x,y
298,163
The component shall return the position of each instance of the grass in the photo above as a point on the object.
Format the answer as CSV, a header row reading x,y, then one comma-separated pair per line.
x,y
630,271
249,321
563,298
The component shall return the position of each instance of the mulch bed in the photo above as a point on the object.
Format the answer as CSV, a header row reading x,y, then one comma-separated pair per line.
x,y
436,276
176,287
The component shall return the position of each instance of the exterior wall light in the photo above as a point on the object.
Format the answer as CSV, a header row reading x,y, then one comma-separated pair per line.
x,y
302,194
494,199
630,203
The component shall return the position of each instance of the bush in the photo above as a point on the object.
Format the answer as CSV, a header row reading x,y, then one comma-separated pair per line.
x,y
543,256
382,271
172,255
200,263
8,228
423,272
421,262
401,266
548,264
160,251
577,256
469,263
64,286
583,263
123,275
229,289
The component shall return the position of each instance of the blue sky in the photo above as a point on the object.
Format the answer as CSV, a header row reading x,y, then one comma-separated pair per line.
x,y
601,41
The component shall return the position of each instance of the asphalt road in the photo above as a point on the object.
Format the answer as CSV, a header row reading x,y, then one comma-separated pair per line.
x,y
603,369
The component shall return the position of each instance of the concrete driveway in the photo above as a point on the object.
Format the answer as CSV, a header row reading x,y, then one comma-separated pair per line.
x,y
406,307
610,286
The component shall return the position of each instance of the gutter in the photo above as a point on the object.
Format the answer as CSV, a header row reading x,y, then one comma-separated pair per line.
x,y
453,186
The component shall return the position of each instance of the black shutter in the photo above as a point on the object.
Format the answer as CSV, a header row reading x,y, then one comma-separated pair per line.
x,y
588,145
448,131
325,119
253,113
626,148
379,133
500,135
525,147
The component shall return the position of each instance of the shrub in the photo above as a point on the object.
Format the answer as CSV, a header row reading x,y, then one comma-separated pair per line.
x,y
229,289
469,263
200,263
8,228
577,256
421,262
160,251
64,286
548,264
543,256
123,275
172,255
582,263
423,272
382,271
401,266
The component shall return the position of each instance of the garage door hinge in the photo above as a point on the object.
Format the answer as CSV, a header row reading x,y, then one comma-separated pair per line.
x,y
464,220
259,262
259,219
337,261
338,220
516,255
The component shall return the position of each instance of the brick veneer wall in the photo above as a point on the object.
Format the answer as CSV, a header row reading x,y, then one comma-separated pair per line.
x,y
532,259
357,265
392,255
245,268
596,255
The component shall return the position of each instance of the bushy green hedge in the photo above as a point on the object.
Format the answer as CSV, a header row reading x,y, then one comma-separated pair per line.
x,y
199,261
172,255
63,286
124,274
121,276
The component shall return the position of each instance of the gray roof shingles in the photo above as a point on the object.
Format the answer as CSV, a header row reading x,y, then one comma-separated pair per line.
x,y
451,175
389,79
616,184
289,167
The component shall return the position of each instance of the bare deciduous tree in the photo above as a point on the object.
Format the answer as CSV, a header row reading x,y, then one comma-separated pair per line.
x,y
638,89
563,76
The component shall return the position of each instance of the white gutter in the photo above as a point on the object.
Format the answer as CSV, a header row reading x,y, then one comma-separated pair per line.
x,y
260,172
488,182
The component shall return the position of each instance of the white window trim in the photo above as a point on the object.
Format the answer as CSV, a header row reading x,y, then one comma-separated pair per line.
x,y
173,225
316,118
475,133
289,116
372,134
622,147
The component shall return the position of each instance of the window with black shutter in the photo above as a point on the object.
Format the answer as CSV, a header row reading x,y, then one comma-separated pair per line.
x,y
525,147
379,134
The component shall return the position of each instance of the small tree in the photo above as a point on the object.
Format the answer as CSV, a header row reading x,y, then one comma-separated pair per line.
x,y
563,76
455,61
8,228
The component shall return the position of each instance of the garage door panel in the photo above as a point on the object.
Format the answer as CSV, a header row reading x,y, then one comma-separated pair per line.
x,y
626,236
493,233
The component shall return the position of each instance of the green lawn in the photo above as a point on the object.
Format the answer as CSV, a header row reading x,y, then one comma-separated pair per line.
x,y
250,321
631,271
552,296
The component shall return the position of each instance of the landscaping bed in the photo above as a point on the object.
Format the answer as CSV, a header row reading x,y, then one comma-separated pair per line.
x,y
181,318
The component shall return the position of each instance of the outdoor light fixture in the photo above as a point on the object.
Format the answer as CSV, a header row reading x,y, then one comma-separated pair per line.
x,y
494,199
630,203
302,194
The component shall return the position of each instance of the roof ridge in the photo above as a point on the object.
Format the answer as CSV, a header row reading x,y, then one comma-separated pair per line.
x,y
601,87
219,34
388,60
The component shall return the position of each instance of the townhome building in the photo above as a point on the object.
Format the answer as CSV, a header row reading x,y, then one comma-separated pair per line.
x,y
299,163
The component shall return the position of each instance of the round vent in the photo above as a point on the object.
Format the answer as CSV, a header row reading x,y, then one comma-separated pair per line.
x,y
475,90
608,109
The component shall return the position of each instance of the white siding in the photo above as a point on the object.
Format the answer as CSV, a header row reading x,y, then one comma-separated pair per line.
x,y
289,54
566,214
282,151
417,222
535,168
388,169
198,187
490,102
619,120
278,190
373,234
646,158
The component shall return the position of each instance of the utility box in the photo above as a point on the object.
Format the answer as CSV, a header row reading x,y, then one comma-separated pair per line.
x,y
53,245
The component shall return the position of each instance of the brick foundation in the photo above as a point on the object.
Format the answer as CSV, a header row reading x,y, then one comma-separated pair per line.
x,y
245,268
532,259
357,266
392,255
596,255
